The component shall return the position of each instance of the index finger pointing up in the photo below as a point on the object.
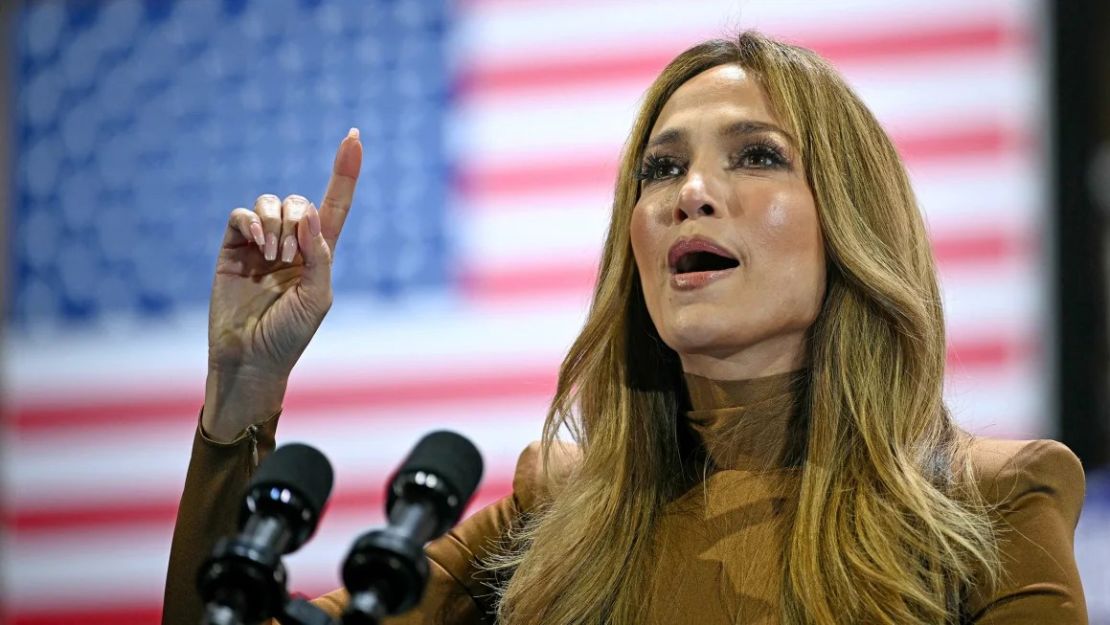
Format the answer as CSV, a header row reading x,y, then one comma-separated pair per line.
x,y
341,187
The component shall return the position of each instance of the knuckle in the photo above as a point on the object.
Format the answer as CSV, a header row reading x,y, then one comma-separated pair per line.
x,y
295,207
269,212
247,216
267,200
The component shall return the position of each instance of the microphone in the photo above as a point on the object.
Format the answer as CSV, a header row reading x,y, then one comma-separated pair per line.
x,y
386,570
243,581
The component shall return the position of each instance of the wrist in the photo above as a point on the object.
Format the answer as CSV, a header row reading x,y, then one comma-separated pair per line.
x,y
235,400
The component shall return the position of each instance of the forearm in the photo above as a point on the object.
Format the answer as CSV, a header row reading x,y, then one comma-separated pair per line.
x,y
214,486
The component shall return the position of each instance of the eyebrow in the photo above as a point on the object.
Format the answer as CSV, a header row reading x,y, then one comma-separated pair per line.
x,y
744,127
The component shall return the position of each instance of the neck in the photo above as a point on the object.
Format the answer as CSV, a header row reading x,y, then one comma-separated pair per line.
x,y
755,423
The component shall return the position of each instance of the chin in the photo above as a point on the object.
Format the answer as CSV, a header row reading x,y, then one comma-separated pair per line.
x,y
689,332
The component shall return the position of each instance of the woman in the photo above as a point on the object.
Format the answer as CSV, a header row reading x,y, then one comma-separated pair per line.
x,y
756,393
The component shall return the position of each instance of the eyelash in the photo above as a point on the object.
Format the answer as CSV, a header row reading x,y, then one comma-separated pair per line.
x,y
655,163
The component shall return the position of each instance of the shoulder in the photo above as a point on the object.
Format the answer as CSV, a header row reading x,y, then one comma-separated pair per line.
x,y
1034,492
539,476
1010,472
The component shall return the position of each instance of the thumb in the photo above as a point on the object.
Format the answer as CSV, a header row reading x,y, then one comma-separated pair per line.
x,y
316,253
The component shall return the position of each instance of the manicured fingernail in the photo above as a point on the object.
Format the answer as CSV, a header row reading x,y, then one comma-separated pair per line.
x,y
288,249
256,232
313,220
352,133
271,246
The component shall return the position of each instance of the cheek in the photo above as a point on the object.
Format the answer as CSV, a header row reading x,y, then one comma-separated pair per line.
x,y
645,233
640,233
790,244
797,239
789,229
636,231
776,217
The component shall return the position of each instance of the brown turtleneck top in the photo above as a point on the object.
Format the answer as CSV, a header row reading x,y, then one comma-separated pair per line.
x,y
719,545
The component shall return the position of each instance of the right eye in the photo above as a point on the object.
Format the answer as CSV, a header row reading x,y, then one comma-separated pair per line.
x,y
659,168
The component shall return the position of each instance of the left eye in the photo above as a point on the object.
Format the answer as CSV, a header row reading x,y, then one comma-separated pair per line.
x,y
761,157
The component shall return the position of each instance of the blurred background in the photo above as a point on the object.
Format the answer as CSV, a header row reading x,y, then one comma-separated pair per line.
x,y
492,128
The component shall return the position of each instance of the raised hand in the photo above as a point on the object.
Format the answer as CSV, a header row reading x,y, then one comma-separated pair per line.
x,y
271,291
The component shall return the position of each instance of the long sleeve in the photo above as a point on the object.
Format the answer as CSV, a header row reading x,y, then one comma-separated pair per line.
x,y
1038,493
214,486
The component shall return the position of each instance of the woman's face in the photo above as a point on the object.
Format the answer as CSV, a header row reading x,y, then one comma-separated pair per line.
x,y
725,232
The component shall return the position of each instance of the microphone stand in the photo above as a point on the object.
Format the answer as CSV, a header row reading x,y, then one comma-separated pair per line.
x,y
294,611
386,571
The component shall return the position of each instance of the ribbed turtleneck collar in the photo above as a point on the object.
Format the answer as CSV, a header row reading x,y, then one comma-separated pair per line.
x,y
753,424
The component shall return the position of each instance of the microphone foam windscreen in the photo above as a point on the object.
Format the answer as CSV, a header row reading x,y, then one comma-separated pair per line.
x,y
450,456
300,468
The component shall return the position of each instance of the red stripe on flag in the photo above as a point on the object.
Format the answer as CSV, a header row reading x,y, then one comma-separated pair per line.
x,y
977,248
947,38
989,353
639,66
527,281
644,64
130,614
397,393
26,521
547,175
988,139
544,175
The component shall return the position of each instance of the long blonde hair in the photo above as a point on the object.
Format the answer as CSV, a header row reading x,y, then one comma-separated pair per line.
x,y
889,527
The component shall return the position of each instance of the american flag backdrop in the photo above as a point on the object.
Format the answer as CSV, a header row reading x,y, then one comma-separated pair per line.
x,y
492,130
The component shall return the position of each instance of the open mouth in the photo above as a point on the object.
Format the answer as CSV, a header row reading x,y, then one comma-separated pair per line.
x,y
694,262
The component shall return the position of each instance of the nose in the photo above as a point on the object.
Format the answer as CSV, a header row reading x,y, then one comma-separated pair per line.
x,y
694,199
